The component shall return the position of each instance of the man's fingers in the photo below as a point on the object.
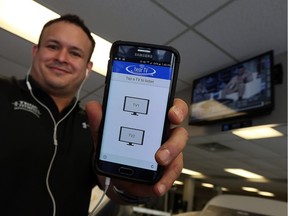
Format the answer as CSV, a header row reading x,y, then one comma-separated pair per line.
x,y
178,111
172,172
172,147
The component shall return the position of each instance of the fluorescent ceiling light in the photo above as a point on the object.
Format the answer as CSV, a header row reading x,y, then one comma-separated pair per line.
x,y
26,18
244,173
265,193
258,132
208,185
224,189
178,183
139,209
250,189
192,173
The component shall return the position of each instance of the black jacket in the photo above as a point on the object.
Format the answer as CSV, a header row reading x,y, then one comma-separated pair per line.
x,y
27,147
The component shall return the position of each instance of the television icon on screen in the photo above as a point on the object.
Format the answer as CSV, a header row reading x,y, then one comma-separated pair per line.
x,y
131,136
136,105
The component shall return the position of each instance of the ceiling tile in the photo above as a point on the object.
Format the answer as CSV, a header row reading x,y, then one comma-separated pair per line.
x,y
250,149
9,69
243,32
181,85
194,140
94,81
191,11
197,56
15,49
282,128
223,136
281,163
122,20
90,97
277,145
262,164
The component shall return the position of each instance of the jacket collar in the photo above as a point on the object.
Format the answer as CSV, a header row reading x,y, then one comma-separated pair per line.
x,y
43,96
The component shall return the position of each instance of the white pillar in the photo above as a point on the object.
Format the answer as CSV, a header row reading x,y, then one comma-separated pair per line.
x,y
188,192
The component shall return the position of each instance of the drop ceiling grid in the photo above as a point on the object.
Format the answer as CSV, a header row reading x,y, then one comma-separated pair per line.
x,y
191,11
15,49
90,97
234,28
94,82
201,159
10,69
249,148
93,89
149,23
270,168
197,56
281,163
87,96
278,145
182,85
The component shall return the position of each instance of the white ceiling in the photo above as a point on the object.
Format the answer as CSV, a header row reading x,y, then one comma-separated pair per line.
x,y
209,34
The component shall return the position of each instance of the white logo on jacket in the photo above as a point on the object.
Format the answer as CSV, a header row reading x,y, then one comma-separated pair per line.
x,y
85,125
23,105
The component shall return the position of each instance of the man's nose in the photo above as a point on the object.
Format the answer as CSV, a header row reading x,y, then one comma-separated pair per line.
x,y
62,55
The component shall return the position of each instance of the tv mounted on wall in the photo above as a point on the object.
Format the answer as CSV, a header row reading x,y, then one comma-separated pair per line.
x,y
241,90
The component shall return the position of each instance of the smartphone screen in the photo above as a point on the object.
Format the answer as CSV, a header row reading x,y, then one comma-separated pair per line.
x,y
139,94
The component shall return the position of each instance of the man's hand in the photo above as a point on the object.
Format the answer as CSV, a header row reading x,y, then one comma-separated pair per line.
x,y
169,155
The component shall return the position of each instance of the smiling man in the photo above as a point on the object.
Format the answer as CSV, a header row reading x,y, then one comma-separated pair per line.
x,y
46,152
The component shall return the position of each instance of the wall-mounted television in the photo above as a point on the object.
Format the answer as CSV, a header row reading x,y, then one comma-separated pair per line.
x,y
241,90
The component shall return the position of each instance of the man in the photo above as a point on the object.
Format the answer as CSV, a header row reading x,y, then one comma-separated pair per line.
x,y
237,83
46,153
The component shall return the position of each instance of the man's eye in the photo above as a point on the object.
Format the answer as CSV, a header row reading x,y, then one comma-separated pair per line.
x,y
74,53
52,46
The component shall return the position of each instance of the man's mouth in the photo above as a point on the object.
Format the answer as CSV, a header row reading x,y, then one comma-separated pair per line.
x,y
59,69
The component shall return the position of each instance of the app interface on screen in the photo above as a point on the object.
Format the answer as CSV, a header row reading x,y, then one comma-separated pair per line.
x,y
136,111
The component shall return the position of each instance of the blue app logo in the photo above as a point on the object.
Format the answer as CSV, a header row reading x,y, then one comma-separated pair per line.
x,y
140,70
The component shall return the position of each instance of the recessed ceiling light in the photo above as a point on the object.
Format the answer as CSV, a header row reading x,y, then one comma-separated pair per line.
x,y
224,189
208,185
178,183
258,132
244,173
265,193
192,173
250,189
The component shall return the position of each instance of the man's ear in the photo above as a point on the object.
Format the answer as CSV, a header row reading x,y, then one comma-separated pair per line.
x,y
89,69
34,50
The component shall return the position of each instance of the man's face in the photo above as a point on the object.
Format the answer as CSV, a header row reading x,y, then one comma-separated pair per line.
x,y
60,60
241,71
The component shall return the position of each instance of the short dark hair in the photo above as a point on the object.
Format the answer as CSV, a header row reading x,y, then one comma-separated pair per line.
x,y
76,20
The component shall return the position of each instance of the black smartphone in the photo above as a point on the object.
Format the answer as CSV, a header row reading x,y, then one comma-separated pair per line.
x,y
139,91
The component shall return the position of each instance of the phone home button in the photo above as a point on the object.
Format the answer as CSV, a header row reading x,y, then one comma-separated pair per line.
x,y
126,171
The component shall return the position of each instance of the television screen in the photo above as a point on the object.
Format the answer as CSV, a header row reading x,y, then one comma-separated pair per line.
x,y
242,89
